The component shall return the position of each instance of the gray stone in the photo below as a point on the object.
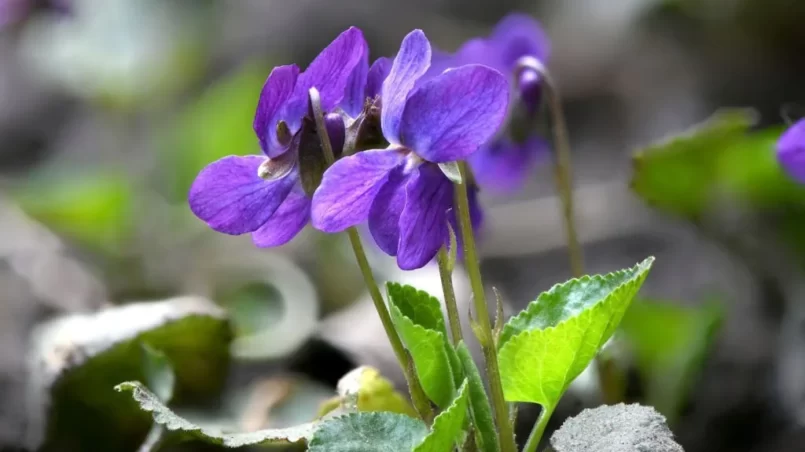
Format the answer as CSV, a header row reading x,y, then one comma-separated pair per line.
x,y
616,428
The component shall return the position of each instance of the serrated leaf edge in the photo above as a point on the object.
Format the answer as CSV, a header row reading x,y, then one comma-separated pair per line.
x,y
639,269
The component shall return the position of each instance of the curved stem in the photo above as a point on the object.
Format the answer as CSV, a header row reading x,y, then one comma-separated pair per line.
x,y
446,274
418,396
539,429
562,162
505,430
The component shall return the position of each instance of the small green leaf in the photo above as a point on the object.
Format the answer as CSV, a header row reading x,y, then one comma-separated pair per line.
x,y
418,318
679,175
182,429
158,372
670,343
486,438
548,345
448,425
365,389
368,432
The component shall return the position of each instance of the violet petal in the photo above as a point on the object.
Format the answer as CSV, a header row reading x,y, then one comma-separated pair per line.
x,y
423,222
504,166
377,73
518,35
231,198
349,186
277,89
290,218
384,216
355,95
791,151
330,73
451,116
411,62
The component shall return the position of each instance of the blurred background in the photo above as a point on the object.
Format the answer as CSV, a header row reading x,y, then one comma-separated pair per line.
x,y
109,108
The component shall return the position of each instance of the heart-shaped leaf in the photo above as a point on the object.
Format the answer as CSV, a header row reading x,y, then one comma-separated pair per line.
x,y
548,345
182,429
448,425
678,175
368,432
78,359
418,318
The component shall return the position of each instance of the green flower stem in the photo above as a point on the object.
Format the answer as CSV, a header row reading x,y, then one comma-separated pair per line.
x,y
539,429
418,397
484,330
562,163
446,274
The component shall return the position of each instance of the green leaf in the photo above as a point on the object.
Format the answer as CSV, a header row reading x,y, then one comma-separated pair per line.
x,y
368,432
418,318
486,438
448,426
82,357
679,175
569,299
158,372
670,343
94,209
185,430
548,345
365,389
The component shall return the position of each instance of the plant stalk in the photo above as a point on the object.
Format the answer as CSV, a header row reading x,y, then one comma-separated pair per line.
x,y
446,274
505,429
539,429
418,396
563,178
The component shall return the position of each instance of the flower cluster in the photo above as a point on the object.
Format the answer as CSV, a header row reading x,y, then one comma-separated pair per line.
x,y
433,109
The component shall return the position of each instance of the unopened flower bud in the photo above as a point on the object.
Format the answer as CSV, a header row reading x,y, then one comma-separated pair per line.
x,y
336,131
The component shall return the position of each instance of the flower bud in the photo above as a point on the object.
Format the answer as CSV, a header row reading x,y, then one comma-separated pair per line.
x,y
529,84
334,123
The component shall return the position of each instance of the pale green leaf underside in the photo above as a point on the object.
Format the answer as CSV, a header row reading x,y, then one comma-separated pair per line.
x,y
448,425
569,299
537,365
428,347
171,421
486,438
368,432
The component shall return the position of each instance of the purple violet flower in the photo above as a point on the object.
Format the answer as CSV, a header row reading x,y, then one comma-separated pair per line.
x,y
401,190
263,195
504,164
791,151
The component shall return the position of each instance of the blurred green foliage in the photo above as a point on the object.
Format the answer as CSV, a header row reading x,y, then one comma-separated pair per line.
x,y
216,124
670,343
195,346
95,209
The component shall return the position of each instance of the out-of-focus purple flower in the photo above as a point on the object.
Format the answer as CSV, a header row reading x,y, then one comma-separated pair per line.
x,y
263,195
516,37
401,190
504,164
791,151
